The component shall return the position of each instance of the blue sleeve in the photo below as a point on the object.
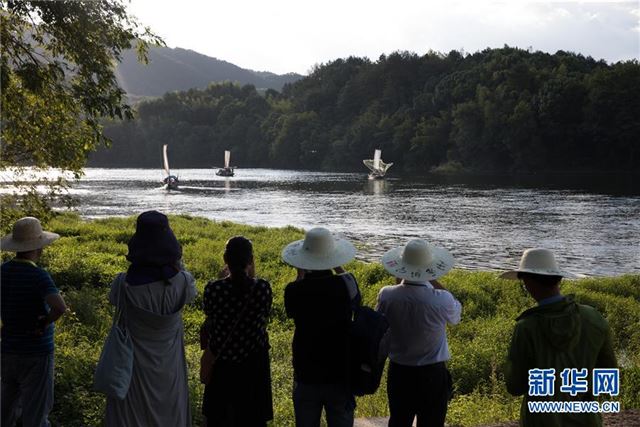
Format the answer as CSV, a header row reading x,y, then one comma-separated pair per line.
x,y
46,285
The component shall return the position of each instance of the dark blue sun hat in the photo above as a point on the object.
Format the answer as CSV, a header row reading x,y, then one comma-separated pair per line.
x,y
154,242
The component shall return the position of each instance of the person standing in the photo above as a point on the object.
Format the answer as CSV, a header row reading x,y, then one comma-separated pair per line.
x,y
31,304
321,305
418,310
235,363
558,334
153,292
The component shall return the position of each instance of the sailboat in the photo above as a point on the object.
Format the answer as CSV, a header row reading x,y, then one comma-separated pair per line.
x,y
377,167
226,170
170,181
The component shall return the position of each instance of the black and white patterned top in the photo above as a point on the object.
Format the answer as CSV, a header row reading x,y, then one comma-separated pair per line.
x,y
222,304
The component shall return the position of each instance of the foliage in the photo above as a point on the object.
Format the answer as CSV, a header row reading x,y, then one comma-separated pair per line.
x,y
58,81
504,110
90,253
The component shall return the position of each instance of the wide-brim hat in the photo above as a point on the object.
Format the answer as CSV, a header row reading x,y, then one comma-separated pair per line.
x,y
319,250
537,261
418,261
154,243
27,235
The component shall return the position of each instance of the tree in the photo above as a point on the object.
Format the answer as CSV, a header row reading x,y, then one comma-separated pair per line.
x,y
58,82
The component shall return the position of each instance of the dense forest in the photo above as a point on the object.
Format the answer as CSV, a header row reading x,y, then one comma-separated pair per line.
x,y
506,110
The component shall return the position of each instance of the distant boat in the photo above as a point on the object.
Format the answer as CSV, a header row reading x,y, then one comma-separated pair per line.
x,y
170,181
377,167
226,170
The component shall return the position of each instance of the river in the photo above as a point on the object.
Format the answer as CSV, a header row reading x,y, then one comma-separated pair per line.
x,y
591,223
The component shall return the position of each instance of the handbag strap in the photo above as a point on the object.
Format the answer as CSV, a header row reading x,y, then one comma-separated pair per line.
x,y
121,306
238,318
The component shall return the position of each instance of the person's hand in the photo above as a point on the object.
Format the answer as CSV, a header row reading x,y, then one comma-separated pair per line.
x,y
300,274
339,270
41,326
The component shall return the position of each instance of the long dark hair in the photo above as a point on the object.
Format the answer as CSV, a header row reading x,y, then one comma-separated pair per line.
x,y
238,254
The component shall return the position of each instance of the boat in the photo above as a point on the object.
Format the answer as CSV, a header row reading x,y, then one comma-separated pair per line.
x,y
170,181
377,167
226,170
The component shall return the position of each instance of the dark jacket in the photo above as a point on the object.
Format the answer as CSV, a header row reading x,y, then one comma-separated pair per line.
x,y
321,307
559,335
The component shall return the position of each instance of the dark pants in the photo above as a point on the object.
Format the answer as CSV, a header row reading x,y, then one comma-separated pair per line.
x,y
422,391
27,381
310,399
239,394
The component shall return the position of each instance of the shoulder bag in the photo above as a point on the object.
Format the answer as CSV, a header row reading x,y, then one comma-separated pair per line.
x,y
113,373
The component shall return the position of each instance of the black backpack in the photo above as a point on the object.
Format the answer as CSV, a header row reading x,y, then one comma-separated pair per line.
x,y
366,364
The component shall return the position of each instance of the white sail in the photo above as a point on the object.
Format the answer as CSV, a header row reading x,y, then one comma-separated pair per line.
x,y
166,160
376,165
227,158
376,159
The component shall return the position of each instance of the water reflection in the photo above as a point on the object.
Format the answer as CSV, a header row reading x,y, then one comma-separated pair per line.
x,y
377,187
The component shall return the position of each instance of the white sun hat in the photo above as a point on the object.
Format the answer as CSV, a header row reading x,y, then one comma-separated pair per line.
x,y
537,261
319,250
418,261
27,236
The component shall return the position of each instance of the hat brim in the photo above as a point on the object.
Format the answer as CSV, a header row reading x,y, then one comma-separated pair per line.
x,y
513,274
442,262
9,244
296,256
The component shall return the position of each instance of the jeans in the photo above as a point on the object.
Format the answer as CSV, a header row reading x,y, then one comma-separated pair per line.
x,y
27,385
418,391
336,399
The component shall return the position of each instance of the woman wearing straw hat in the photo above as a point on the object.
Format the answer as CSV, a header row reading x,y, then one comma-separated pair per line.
x,y
418,310
557,334
320,303
31,303
153,292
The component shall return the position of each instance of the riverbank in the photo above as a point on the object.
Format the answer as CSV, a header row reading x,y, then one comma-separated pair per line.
x,y
90,253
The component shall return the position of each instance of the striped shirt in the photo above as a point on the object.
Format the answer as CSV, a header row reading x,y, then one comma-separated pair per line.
x,y
23,289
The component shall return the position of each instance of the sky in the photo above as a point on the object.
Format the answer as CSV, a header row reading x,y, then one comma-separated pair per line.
x,y
284,36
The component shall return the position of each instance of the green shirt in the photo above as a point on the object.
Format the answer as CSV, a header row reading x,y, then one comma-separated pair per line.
x,y
562,334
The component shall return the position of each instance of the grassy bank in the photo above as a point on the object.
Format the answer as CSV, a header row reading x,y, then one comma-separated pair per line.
x,y
89,255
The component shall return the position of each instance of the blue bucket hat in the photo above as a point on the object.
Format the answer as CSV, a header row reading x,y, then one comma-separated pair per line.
x,y
154,243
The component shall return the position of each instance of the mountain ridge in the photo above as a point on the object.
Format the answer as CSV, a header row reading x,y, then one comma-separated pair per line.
x,y
179,69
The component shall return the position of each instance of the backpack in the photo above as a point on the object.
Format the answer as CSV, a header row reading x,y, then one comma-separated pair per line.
x,y
366,364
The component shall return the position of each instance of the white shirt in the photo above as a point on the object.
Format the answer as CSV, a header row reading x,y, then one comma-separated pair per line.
x,y
417,316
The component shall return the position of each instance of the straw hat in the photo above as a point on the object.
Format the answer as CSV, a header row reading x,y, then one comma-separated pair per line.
x,y
418,261
537,261
27,236
319,250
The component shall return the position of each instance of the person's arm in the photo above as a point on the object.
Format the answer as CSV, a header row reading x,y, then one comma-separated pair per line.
x,y
289,303
606,356
516,372
191,290
451,308
57,308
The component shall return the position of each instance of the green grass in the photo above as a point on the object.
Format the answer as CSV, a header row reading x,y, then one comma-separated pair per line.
x,y
90,253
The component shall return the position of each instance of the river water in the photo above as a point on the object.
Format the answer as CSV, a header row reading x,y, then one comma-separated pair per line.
x,y
591,223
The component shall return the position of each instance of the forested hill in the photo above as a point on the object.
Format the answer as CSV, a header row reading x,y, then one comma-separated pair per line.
x,y
506,110
181,69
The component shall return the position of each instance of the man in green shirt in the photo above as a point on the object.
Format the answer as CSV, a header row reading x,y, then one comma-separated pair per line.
x,y
557,334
